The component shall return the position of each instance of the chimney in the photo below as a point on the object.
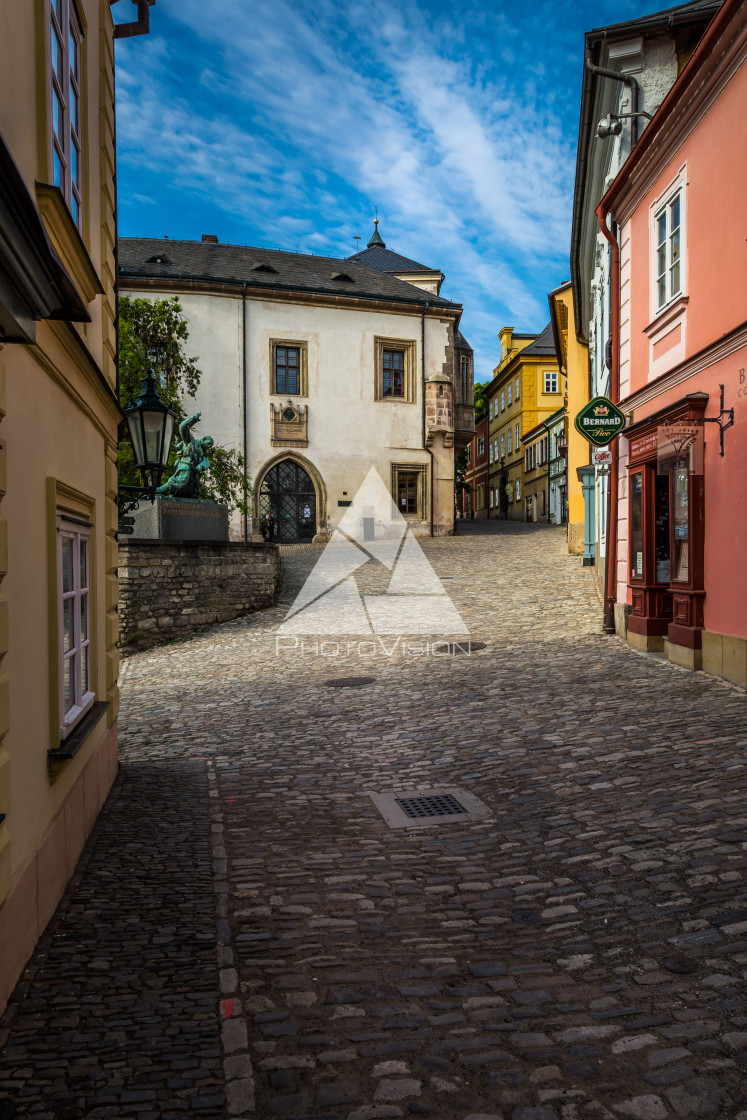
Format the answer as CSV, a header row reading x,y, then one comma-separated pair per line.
x,y
212,238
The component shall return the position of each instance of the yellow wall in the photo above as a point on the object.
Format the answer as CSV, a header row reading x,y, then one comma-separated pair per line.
x,y
575,367
534,405
58,443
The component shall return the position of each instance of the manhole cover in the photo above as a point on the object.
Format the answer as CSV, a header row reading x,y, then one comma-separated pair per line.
x,y
456,648
350,682
683,966
443,806
526,917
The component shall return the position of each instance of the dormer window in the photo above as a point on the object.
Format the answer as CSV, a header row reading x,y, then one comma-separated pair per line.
x,y
343,276
160,259
263,266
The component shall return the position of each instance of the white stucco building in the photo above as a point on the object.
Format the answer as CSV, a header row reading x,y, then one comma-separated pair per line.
x,y
317,369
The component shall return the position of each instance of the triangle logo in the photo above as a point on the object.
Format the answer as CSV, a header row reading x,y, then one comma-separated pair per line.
x,y
373,529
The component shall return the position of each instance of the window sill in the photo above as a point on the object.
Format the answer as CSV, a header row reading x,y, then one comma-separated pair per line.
x,y
67,241
78,738
666,318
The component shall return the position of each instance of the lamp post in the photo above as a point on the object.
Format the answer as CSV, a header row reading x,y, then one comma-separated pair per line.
x,y
151,426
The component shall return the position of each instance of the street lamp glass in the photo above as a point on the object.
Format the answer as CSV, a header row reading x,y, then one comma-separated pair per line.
x,y
151,427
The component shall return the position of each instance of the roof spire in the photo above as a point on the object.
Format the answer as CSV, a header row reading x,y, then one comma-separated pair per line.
x,y
376,238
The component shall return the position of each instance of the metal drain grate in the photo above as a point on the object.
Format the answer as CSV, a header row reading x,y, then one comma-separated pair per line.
x,y
441,806
426,808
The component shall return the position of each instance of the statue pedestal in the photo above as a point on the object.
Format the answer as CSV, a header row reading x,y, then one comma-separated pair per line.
x,y
181,519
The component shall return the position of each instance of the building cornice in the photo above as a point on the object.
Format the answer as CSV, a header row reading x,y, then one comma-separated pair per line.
x,y
724,347
279,295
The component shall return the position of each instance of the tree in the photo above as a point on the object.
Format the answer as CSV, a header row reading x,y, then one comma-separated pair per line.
x,y
481,402
460,469
153,333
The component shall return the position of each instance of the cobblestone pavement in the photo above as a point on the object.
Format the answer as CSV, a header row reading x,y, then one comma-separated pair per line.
x,y
579,956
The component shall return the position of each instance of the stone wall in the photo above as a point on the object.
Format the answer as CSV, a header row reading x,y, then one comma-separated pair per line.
x,y
168,589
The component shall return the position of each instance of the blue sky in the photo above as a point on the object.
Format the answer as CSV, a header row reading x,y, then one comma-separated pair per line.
x,y
281,123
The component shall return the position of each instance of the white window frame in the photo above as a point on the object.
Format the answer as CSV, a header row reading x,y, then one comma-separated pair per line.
x,y
509,395
490,456
672,290
503,445
480,445
491,497
675,190
75,530
63,28
518,489
510,443
516,393
551,378
491,410
517,437
503,400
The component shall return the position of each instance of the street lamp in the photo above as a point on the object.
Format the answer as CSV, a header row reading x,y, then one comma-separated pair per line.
x,y
151,426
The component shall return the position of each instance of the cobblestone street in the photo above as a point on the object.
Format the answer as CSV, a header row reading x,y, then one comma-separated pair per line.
x,y
247,936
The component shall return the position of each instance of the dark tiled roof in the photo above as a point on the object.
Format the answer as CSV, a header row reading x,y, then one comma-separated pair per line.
x,y
681,13
264,268
461,341
384,260
544,344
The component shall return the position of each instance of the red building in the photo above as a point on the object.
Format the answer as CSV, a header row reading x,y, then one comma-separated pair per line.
x,y
679,329
474,499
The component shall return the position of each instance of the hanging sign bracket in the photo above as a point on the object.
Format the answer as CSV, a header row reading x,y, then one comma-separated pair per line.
x,y
723,427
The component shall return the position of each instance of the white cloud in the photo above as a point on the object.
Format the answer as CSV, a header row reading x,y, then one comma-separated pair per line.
x,y
295,120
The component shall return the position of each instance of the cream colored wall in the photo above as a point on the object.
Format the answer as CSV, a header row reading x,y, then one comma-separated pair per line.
x,y
49,437
348,430
59,420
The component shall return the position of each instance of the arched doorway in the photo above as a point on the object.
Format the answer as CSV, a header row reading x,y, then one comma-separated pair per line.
x,y
287,490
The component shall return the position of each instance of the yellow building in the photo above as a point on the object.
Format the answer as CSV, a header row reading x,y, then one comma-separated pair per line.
x,y
524,391
573,357
58,449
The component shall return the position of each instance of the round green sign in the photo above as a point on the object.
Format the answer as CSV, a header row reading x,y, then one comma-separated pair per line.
x,y
600,421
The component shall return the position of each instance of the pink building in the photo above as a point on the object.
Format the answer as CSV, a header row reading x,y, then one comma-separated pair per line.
x,y
679,328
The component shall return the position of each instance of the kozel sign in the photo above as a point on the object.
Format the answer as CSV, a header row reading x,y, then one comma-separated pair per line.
x,y
600,421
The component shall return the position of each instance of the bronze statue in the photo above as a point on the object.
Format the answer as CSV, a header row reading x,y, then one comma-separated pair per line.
x,y
191,462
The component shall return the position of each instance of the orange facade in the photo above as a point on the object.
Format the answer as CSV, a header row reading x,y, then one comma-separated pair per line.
x,y
679,203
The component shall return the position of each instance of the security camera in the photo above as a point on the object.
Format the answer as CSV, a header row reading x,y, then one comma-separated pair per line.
x,y
609,126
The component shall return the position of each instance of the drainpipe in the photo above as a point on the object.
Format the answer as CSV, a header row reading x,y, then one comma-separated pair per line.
x,y
610,573
626,80
422,366
243,400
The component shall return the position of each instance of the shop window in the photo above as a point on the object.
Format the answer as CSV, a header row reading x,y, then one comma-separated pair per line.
x,y
680,524
662,529
636,525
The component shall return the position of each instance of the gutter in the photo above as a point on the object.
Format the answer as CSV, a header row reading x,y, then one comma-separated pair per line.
x,y
425,445
243,400
610,573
